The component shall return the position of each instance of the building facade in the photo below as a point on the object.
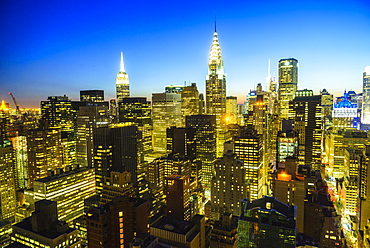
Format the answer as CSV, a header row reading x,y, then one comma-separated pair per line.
x,y
166,112
288,81
69,189
8,199
366,96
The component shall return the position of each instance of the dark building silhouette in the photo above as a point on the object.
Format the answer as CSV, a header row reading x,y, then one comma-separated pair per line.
x,y
114,224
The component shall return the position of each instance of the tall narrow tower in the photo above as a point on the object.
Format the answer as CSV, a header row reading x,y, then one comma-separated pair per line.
x,y
288,81
122,82
216,81
366,96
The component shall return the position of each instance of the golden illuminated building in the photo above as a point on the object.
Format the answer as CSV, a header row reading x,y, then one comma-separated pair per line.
x,y
231,110
287,143
69,188
335,145
58,112
44,152
366,96
161,168
364,179
7,182
288,81
216,81
205,133
216,92
138,110
190,102
356,186
88,118
248,147
122,83
166,112
19,144
305,111
326,107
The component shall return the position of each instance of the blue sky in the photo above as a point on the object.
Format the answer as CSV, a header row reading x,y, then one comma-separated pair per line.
x,y
61,47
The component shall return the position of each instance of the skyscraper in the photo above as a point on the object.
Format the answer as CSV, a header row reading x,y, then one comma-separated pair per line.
x,y
366,96
216,92
122,82
138,110
117,148
231,110
88,118
307,116
228,185
7,182
190,102
216,81
44,152
57,112
178,197
205,134
288,81
249,148
166,112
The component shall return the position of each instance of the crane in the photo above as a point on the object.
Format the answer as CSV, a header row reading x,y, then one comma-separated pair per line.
x,y
15,103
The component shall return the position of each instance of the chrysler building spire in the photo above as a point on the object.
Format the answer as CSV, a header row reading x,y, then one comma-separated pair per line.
x,y
215,62
122,82
216,81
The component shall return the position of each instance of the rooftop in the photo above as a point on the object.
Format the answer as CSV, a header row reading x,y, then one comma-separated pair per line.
x,y
51,234
173,225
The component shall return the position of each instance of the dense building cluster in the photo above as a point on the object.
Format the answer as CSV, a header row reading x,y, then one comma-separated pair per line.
x,y
287,168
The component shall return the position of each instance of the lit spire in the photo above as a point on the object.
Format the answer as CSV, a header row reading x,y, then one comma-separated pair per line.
x,y
215,25
215,62
122,65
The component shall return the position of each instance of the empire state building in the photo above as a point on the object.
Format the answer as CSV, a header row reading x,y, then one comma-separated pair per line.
x,y
216,82
122,83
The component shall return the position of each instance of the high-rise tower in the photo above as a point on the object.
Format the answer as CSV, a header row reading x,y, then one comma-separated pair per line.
x,y
122,82
288,81
216,81
366,96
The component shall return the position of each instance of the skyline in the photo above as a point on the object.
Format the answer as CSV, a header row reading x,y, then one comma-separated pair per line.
x,y
62,48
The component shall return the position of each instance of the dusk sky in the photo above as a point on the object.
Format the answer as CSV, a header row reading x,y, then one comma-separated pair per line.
x,y
50,48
